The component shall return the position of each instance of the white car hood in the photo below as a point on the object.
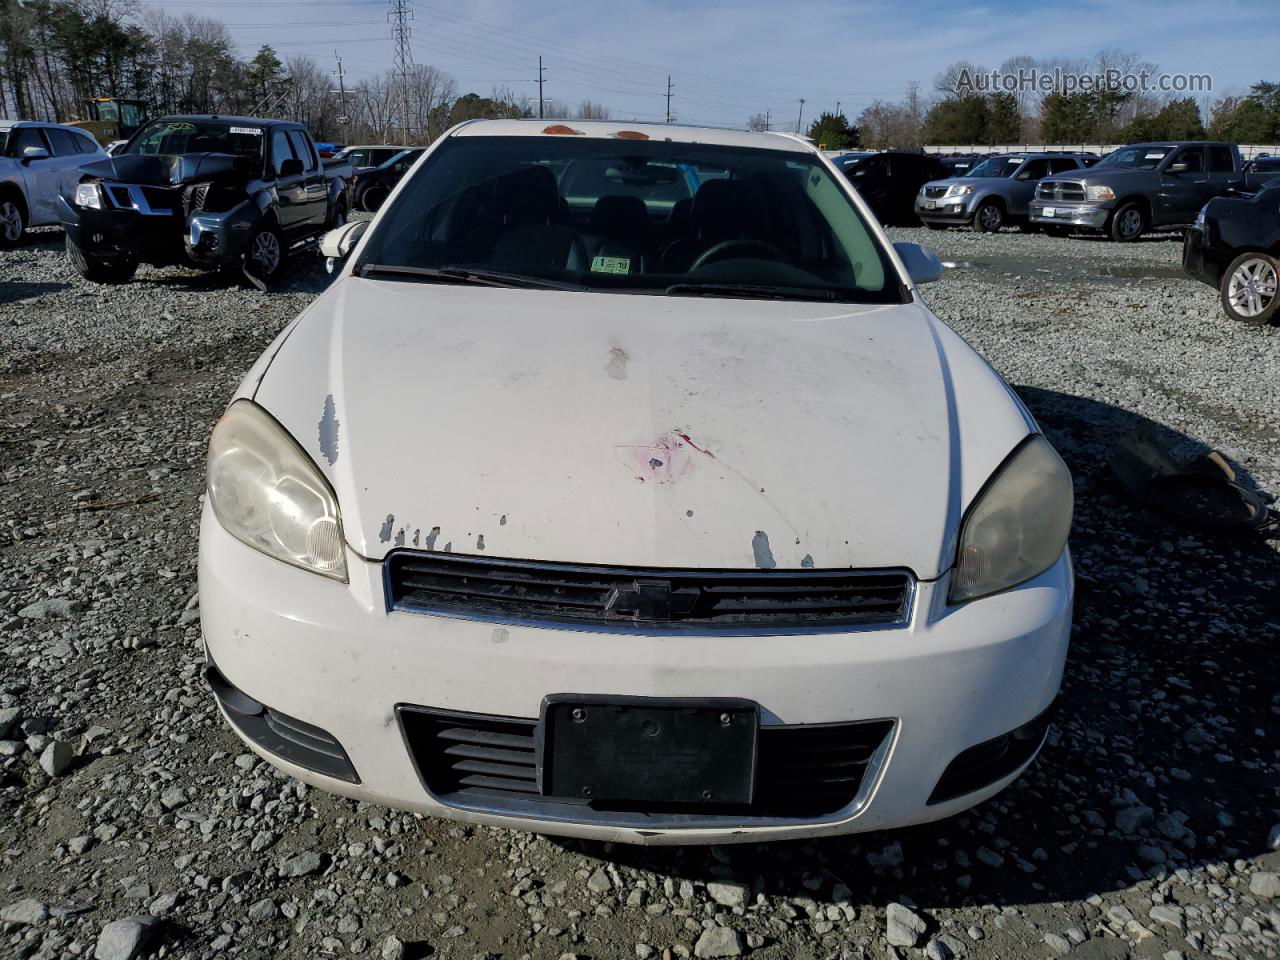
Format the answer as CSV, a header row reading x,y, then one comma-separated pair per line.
x,y
641,430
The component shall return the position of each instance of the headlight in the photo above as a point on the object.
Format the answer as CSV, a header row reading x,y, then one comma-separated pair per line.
x,y
1018,526
1099,193
89,195
959,190
267,493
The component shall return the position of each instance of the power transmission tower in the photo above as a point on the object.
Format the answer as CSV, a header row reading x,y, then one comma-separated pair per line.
x,y
399,17
668,98
344,116
540,79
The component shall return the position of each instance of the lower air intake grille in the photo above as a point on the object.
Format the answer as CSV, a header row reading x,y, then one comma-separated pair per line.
x,y
478,762
645,599
992,760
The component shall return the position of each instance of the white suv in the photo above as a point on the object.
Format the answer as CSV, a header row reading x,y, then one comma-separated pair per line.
x,y
38,163
659,509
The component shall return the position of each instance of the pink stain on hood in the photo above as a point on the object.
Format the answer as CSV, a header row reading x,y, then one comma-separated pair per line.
x,y
665,459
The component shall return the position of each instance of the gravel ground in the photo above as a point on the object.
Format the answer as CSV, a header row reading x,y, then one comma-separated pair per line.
x,y
132,823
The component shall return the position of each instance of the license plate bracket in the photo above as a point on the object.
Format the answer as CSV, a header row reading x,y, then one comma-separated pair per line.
x,y
649,750
1050,211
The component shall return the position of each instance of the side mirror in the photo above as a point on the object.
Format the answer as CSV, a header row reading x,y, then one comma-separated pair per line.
x,y
290,167
34,153
340,241
923,265
1177,167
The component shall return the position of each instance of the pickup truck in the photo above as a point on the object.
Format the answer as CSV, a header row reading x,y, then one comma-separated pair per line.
x,y
38,162
1141,187
235,194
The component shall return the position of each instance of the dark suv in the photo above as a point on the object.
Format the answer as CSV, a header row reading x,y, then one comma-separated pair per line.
x,y
1141,187
993,192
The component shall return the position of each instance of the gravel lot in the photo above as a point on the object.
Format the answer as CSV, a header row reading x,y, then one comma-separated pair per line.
x,y
132,823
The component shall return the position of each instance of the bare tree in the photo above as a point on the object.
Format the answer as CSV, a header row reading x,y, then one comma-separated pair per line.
x,y
758,122
589,110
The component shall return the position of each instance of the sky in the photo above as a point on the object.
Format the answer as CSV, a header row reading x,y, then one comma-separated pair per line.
x,y
728,59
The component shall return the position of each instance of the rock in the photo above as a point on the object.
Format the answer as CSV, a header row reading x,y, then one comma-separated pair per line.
x,y
1132,819
937,950
124,939
1056,943
718,942
1273,838
163,905
27,912
1169,916
264,909
52,607
727,894
904,927
9,718
56,758
392,948
599,881
302,864
80,845
1265,885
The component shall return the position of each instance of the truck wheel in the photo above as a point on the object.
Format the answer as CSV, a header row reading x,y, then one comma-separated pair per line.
x,y
1127,224
1249,289
98,270
12,222
989,218
373,198
264,253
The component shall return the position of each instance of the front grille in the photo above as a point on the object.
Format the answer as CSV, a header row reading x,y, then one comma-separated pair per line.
x,y
478,762
933,193
645,599
1065,190
161,199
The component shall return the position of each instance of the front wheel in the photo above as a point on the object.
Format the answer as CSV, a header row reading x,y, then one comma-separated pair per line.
x,y
264,254
1128,223
989,218
373,198
338,216
12,222
99,270
1249,288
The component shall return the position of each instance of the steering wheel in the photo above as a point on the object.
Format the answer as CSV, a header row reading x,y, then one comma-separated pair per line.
x,y
717,252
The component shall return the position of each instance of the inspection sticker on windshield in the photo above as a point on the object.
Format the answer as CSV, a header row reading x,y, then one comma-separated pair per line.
x,y
611,265
252,131
1154,156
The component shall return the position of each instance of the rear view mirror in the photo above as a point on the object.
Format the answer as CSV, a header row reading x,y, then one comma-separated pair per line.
x,y
34,153
290,167
1178,168
923,265
337,243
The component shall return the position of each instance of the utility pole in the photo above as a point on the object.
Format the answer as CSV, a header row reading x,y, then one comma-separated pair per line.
x,y
800,119
668,98
400,16
766,118
540,79
837,108
344,117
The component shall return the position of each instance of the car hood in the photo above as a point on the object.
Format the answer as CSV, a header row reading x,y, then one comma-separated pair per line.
x,y
168,171
640,430
1094,175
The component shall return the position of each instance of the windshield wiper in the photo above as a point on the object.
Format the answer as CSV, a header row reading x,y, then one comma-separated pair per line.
x,y
487,278
753,291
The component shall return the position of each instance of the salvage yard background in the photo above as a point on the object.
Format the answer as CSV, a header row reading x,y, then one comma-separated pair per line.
x,y
132,821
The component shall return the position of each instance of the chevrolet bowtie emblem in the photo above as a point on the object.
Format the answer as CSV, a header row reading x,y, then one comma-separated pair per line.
x,y
652,600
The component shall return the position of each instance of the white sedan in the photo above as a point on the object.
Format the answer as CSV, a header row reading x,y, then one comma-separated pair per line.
x,y
623,486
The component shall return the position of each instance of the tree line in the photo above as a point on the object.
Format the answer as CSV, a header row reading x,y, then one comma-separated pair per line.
x,y
57,54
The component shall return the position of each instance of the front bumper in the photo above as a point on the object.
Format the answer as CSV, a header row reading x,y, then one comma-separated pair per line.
x,y
331,656
205,239
951,210
1060,214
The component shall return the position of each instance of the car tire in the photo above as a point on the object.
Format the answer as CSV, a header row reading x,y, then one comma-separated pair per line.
x,y
99,270
264,253
13,222
1127,224
1250,289
989,217
338,217
373,198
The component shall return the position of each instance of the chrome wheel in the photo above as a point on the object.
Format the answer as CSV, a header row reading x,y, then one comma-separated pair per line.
x,y
1130,223
990,217
265,253
1252,287
10,221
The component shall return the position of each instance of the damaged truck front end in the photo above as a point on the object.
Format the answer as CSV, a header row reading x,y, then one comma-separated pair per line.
x,y
198,210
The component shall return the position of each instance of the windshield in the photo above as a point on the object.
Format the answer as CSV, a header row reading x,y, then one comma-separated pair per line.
x,y
633,216
172,137
995,167
1135,158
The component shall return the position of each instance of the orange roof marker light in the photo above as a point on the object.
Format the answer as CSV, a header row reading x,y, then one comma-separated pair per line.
x,y
560,130
631,135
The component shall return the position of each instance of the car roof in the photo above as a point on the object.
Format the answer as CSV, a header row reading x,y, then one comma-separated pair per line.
x,y
6,124
380,146
228,118
613,129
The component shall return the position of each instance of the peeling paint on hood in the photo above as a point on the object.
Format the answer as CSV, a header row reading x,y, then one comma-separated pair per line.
x,y
853,436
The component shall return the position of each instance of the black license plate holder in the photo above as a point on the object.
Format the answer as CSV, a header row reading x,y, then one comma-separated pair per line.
x,y
620,749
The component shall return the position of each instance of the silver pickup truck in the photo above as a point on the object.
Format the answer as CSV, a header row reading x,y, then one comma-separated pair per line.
x,y
993,192
38,163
